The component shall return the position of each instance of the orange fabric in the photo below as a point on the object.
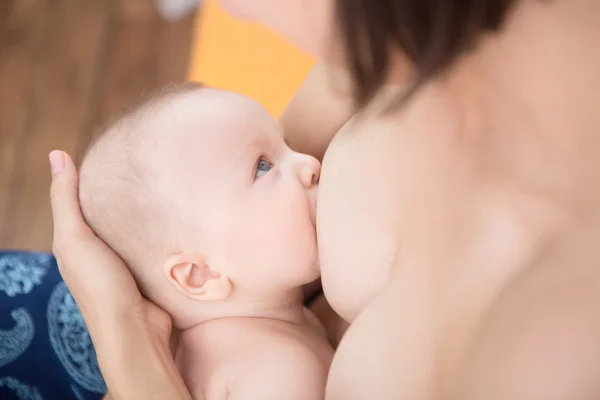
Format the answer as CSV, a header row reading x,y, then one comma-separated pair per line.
x,y
246,58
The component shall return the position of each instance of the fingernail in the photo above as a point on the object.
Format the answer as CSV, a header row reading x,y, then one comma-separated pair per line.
x,y
57,161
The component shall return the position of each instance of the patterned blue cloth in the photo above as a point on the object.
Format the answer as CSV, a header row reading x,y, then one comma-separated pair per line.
x,y
45,349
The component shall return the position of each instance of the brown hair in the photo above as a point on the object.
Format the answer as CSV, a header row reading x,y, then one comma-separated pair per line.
x,y
431,33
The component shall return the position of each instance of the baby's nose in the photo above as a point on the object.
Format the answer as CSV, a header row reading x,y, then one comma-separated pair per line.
x,y
310,171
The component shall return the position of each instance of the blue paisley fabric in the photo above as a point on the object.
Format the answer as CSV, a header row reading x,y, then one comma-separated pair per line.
x,y
45,349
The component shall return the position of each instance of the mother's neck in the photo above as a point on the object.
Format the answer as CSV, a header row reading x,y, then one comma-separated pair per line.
x,y
529,96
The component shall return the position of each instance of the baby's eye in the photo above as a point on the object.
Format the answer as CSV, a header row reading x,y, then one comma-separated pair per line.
x,y
262,168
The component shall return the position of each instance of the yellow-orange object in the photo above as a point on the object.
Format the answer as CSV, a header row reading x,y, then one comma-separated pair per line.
x,y
246,58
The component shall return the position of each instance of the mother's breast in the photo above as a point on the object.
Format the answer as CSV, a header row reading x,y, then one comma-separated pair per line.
x,y
392,188
357,217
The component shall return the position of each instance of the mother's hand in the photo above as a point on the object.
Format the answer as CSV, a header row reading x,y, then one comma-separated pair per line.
x,y
130,334
97,278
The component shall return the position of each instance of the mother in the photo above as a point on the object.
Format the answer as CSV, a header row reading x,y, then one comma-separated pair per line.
x,y
459,209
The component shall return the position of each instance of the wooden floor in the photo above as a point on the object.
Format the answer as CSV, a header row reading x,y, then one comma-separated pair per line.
x,y
66,66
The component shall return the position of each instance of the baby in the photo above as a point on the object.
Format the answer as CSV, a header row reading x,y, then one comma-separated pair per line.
x,y
198,193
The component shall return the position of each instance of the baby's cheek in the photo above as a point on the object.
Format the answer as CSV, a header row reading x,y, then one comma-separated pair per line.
x,y
298,230
293,232
288,224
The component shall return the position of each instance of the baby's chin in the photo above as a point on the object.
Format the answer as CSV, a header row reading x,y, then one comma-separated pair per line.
x,y
305,271
314,269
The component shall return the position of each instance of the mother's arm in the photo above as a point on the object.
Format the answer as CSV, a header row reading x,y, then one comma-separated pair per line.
x,y
130,334
322,105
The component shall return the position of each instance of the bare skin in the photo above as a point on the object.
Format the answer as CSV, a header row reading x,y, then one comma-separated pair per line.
x,y
472,202
469,198
458,234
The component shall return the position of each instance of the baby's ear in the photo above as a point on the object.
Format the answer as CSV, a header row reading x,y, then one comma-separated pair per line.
x,y
194,278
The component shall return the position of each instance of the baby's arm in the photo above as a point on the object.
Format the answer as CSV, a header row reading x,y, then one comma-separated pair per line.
x,y
290,374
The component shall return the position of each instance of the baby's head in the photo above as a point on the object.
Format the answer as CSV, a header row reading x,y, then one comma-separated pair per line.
x,y
197,191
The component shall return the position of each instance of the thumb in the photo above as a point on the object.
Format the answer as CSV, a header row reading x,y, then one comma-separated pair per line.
x,y
64,197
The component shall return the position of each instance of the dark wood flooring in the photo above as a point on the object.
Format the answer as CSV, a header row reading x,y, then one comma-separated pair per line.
x,y
65,67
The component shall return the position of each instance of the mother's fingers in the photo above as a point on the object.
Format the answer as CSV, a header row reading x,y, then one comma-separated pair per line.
x,y
64,198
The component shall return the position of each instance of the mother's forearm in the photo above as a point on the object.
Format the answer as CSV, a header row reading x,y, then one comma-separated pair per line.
x,y
136,366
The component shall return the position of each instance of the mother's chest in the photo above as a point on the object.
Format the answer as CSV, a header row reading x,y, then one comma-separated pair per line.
x,y
359,208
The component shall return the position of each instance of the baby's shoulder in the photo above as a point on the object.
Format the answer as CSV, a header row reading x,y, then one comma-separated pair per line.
x,y
282,346
247,354
282,367
281,340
